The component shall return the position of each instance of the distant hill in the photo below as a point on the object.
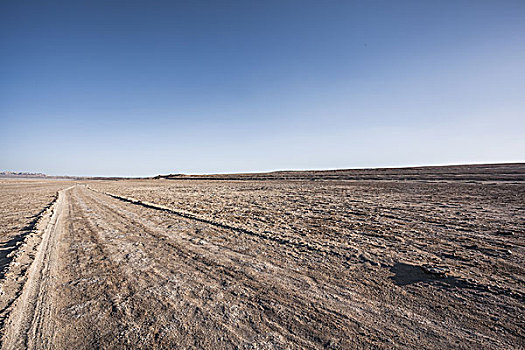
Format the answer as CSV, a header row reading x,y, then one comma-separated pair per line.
x,y
21,174
514,172
29,175
478,172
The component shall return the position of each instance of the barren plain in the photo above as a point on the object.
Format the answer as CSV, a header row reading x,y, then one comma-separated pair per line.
x,y
403,258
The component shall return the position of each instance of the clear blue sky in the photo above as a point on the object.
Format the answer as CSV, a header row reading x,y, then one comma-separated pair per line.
x,y
147,87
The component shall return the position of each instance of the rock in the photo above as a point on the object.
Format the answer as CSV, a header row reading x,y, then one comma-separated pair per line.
x,y
435,270
367,258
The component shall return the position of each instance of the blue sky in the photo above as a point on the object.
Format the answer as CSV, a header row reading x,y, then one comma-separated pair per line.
x,y
140,88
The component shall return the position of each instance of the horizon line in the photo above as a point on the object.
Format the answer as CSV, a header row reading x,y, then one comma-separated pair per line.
x,y
414,166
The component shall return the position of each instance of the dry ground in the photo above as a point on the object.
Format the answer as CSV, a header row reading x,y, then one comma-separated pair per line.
x,y
269,264
21,203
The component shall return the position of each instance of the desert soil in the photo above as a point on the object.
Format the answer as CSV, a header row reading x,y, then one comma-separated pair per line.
x,y
275,264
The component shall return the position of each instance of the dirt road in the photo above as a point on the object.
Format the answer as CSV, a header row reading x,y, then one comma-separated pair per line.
x,y
109,273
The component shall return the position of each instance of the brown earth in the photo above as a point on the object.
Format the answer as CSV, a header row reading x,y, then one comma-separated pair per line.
x,y
22,202
267,264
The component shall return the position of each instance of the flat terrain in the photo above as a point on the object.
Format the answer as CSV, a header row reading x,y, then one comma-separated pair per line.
x,y
22,201
268,263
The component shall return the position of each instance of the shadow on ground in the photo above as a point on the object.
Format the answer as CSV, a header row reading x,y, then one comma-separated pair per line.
x,y
406,274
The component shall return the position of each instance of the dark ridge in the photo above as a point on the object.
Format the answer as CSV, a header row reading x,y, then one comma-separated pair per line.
x,y
512,172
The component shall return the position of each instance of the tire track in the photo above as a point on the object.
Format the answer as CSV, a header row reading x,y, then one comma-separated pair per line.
x,y
25,321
